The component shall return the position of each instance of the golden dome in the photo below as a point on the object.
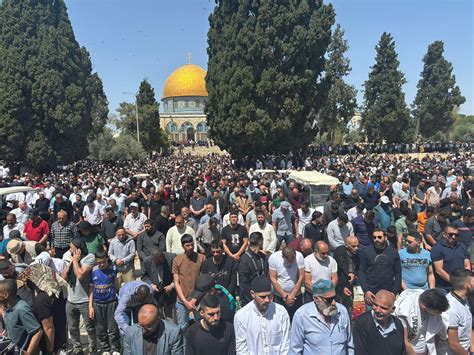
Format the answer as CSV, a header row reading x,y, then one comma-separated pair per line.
x,y
188,80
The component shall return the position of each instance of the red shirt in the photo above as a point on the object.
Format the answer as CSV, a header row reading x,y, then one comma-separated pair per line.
x,y
36,233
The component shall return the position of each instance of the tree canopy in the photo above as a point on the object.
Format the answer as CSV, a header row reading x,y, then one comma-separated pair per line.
x,y
49,99
152,137
265,73
385,114
341,103
437,95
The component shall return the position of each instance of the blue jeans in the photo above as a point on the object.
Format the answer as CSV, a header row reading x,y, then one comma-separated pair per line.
x,y
288,238
182,317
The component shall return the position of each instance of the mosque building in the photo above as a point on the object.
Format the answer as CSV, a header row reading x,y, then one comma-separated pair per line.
x,y
183,101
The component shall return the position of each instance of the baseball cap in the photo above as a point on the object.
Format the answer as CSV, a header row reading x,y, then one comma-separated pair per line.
x,y
384,199
133,204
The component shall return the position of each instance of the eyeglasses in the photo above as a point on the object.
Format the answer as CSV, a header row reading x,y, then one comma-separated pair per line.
x,y
378,237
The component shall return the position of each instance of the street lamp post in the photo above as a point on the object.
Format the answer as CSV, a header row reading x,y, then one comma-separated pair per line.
x,y
136,113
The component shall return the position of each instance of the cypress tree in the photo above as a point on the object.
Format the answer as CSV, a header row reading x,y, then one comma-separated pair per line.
x,y
341,103
385,114
437,94
152,137
47,90
264,79
148,109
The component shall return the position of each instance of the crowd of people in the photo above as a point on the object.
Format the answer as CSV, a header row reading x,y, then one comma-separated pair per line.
x,y
199,255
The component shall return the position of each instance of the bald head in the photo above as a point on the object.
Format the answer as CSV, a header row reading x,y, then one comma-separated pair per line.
x,y
352,239
148,312
385,297
306,246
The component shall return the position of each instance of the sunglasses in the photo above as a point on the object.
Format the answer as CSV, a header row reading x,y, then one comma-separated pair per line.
x,y
452,234
329,300
378,237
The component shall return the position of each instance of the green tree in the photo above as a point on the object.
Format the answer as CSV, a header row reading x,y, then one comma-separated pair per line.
x,y
47,90
437,95
100,105
151,135
385,115
341,103
264,79
107,147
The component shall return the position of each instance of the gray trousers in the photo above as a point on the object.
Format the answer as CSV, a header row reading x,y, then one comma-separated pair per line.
x,y
108,335
74,311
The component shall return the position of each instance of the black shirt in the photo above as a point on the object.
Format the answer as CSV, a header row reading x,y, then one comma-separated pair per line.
x,y
315,232
224,273
234,237
219,340
162,224
110,226
251,265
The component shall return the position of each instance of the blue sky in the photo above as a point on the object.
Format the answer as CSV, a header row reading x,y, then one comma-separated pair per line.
x,y
129,40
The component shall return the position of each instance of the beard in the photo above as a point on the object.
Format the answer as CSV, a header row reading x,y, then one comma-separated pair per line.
x,y
326,310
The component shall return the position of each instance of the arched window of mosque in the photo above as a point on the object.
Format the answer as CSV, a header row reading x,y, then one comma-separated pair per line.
x,y
185,126
192,104
202,127
181,104
172,127
175,104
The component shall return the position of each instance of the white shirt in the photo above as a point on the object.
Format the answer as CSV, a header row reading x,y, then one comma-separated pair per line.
x,y
269,236
303,219
320,269
287,274
6,229
262,334
352,213
135,224
337,235
31,197
48,192
120,199
460,317
21,216
173,239
226,221
92,215
104,192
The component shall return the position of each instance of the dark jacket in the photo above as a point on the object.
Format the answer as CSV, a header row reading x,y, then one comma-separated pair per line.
x,y
346,263
150,275
222,205
380,269
170,340
146,243
251,265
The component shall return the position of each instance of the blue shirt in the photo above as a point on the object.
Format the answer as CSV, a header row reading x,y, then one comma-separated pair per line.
x,y
384,331
310,334
415,268
453,258
126,302
103,283
347,188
